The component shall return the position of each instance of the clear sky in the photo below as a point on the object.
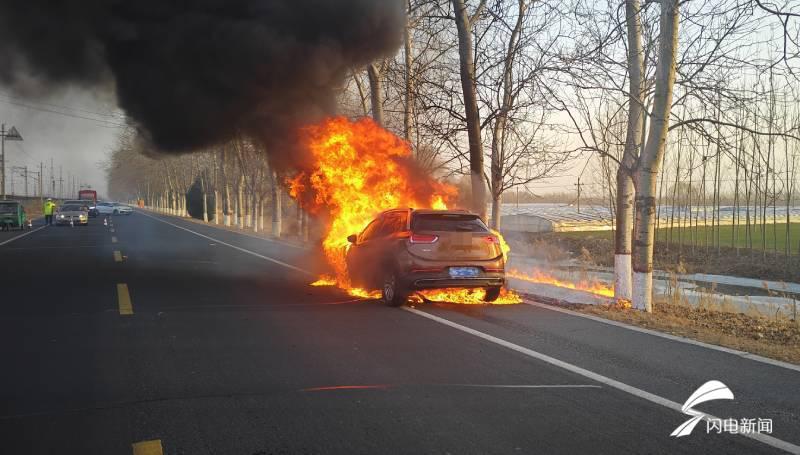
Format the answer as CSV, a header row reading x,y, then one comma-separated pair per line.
x,y
75,128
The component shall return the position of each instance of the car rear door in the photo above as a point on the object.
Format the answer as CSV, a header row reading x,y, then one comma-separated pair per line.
x,y
358,254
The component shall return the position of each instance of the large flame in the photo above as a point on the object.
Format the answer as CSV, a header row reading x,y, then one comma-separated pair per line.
x,y
359,170
537,276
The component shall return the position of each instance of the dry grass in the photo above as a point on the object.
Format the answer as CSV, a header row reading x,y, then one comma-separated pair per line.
x,y
710,322
728,261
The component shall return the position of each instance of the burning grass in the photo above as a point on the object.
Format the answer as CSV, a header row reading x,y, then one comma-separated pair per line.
x,y
537,276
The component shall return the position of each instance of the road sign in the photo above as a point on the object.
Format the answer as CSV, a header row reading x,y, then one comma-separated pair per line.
x,y
13,135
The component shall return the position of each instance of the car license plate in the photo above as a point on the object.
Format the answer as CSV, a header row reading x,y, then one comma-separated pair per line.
x,y
464,272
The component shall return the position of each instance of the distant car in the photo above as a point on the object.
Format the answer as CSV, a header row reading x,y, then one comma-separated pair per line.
x,y
404,250
90,205
122,209
12,216
71,214
105,208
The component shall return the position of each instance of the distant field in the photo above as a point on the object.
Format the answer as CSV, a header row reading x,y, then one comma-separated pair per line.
x,y
726,233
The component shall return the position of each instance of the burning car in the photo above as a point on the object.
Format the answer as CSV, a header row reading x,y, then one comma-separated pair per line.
x,y
407,250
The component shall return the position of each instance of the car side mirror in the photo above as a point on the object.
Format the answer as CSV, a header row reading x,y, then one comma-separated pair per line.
x,y
352,238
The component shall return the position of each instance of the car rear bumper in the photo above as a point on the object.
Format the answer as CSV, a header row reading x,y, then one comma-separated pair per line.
x,y
418,274
60,221
447,282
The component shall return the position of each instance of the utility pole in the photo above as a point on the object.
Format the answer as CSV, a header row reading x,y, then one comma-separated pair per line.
x,y
41,178
52,179
61,181
11,135
579,194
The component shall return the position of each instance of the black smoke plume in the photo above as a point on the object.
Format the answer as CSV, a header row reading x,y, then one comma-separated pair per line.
x,y
193,73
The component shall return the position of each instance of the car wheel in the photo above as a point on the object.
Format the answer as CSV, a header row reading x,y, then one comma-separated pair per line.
x,y
492,294
392,293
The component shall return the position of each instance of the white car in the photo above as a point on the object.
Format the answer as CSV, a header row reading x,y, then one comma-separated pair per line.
x,y
122,209
105,208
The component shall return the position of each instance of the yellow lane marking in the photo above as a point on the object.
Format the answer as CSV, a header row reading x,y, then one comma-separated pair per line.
x,y
148,448
124,297
117,256
113,239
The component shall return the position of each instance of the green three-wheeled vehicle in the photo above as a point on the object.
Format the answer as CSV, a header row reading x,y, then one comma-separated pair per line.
x,y
12,216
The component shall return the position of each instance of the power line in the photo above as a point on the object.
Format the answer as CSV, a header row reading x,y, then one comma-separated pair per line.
x,y
104,123
11,97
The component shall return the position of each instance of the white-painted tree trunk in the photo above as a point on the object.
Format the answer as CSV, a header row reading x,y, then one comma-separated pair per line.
x,y
623,286
216,207
205,207
261,214
652,156
255,218
623,236
276,205
643,291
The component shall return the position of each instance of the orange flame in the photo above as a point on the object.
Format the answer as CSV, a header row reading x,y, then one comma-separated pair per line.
x,y
595,287
359,170
469,296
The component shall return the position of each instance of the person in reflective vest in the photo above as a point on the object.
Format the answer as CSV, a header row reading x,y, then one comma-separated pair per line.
x,y
49,208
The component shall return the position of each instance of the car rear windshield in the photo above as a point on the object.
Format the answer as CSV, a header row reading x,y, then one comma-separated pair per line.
x,y
452,222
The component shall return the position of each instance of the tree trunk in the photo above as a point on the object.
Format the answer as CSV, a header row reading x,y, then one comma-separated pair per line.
x,y
633,140
205,207
408,111
496,206
652,156
376,92
623,237
226,208
255,213
240,203
467,71
216,206
261,214
276,205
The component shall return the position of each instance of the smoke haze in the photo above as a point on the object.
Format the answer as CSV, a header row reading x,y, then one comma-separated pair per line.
x,y
193,73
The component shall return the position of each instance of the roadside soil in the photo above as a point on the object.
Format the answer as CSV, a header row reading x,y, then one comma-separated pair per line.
x,y
778,340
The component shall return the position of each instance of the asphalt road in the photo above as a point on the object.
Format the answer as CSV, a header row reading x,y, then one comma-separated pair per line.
x,y
159,335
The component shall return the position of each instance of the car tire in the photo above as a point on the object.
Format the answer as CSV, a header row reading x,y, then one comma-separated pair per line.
x,y
392,292
492,294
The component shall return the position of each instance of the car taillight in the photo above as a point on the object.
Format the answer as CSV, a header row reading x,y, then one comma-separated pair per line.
x,y
423,238
492,239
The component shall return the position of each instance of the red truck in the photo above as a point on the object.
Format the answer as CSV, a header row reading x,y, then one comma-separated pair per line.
x,y
89,195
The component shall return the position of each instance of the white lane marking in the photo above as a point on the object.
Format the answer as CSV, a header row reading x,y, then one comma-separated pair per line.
x,y
22,235
526,386
714,347
243,250
245,234
653,398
